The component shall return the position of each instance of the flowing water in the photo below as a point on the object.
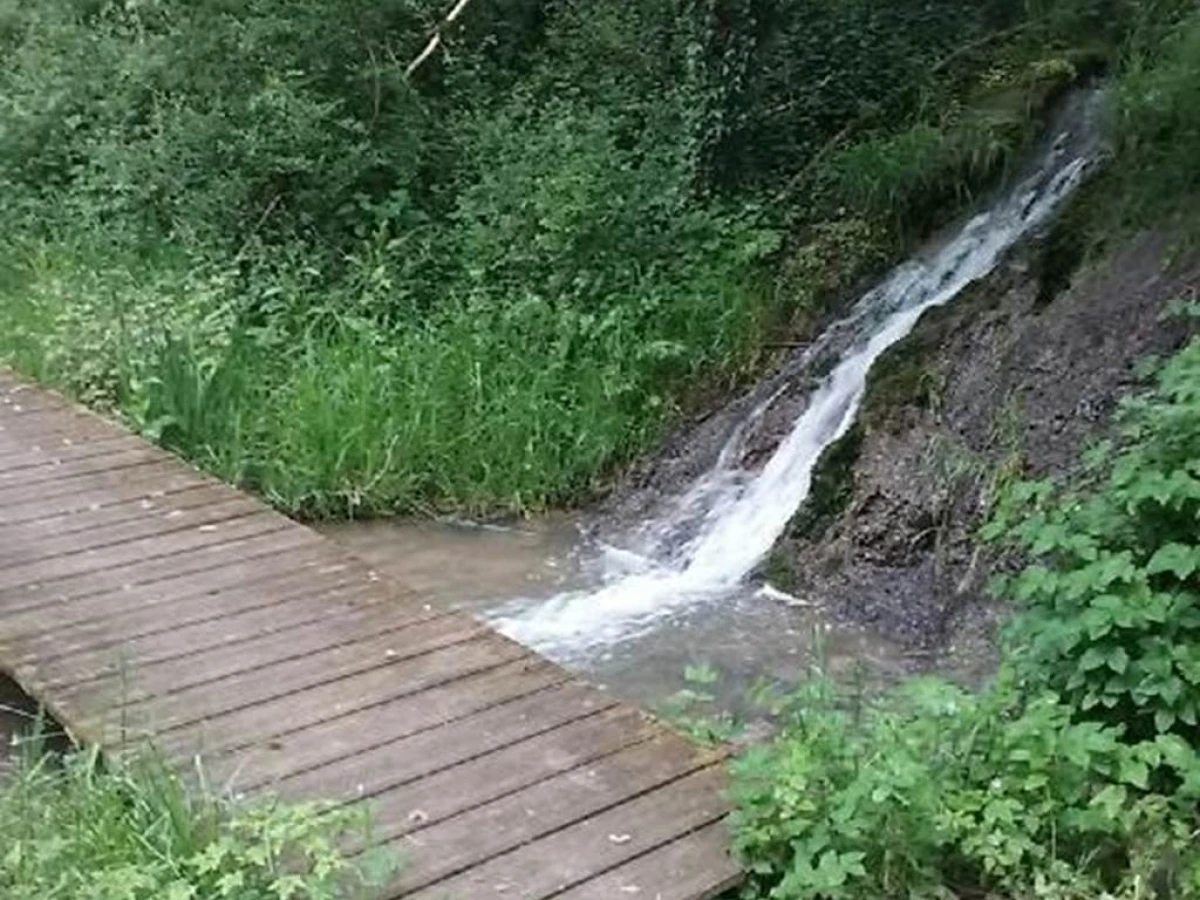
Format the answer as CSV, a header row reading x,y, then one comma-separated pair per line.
x,y
635,608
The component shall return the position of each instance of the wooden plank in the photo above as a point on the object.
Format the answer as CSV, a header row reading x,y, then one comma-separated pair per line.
x,y
498,827
79,521
253,567
264,603
26,425
35,410
390,764
573,856
570,857
406,714
147,476
154,549
211,511
243,631
138,598
23,401
63,450
14,386
372,690
151,571
62,470
153,482
440,795
696,866
316,687
168,667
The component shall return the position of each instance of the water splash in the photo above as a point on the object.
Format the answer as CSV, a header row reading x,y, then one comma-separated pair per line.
x,y
731,518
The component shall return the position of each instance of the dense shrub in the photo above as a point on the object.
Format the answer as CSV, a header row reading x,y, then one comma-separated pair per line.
x,y
1158,120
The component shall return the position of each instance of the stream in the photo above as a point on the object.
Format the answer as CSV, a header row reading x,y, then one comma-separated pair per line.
x,y
631,605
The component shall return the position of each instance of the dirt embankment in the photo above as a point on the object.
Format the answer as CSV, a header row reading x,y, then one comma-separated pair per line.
x,y
1012,379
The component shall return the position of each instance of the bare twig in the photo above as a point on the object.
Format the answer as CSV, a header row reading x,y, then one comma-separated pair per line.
x,y
436,39
982,42
817,158
376,88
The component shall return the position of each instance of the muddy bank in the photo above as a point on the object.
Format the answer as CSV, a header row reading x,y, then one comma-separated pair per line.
x,y
1012,379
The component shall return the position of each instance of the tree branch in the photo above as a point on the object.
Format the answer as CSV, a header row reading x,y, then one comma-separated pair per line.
x,y
436,39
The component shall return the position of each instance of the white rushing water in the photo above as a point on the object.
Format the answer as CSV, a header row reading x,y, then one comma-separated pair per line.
x,y
733,517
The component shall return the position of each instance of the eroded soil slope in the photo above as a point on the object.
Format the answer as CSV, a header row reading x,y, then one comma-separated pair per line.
x,y
1012,379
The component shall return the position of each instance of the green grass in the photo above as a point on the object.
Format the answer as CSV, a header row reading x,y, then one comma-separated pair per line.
x,y
80,828
474,409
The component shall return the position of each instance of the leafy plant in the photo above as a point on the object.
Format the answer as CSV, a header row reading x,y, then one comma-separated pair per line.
x,y
691,709
83,827
1158,122
486,286
1111,615
938,792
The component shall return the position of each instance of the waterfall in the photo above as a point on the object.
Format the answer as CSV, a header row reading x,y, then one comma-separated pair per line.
x,y
731,518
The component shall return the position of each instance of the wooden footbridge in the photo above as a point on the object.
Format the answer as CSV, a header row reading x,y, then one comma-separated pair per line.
x,y
140,599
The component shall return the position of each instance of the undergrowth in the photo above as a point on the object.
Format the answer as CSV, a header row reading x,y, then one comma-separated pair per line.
x,y
486,286
85,828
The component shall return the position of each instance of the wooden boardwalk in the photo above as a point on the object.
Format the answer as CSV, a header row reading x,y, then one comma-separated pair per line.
x,y
140,598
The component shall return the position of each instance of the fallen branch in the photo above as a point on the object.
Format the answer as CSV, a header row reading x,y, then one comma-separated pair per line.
x,y
436,39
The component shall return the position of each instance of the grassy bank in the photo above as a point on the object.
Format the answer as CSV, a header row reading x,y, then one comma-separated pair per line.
x,y
488,285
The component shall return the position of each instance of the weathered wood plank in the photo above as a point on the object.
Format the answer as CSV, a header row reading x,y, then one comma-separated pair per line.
x,y
256,574
286,746
144,509
696,866
440,795
146,477
37,546
394,763
61,450
176,671
153,483
529,817
319,685
46,573
245,633
262,539
53,470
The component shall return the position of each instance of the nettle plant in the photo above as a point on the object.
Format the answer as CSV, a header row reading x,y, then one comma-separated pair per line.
x,y
1111,599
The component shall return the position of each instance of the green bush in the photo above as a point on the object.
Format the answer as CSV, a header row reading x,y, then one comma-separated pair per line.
x,y
499,398
937,792
76,827
1111,608
1077,773
1158,121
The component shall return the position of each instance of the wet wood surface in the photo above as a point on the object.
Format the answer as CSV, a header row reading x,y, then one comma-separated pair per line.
x,y
142,601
